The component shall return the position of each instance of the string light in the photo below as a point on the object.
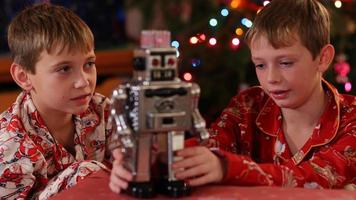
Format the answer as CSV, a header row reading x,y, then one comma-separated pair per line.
x,y
338,4
224,12
196,62
246,22
202,37
187,76
213,22
235,3
266,2
239,31
235,42
348,86
193,40
175,44
212,41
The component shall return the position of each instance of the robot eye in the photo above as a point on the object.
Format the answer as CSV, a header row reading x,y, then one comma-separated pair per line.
x,y
171,61
155,62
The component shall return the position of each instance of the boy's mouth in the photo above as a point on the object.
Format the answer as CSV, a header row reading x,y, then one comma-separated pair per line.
x,y
81,97
279,94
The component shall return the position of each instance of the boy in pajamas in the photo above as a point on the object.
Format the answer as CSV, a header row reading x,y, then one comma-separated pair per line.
x,y
56,132
295,129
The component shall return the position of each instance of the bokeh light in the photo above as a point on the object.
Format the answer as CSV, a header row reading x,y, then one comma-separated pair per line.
x,y
246,22
175,44
187,76
235,41
213,22
212,41
266,2
338,4
224,12
239,31
348,86
193,40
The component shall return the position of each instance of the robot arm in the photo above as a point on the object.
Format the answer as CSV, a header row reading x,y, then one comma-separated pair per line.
x,y
198,121
118,118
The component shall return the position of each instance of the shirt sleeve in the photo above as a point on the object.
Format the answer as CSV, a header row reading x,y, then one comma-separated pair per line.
x,y
69,177
112,141
18,158
231,131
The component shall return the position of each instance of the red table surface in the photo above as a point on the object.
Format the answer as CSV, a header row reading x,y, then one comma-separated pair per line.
x,y
96,187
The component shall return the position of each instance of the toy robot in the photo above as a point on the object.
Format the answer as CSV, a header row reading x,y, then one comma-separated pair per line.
x,y
151,114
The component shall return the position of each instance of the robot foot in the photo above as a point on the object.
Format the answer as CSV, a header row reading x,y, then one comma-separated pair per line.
x,y
174,188
141,189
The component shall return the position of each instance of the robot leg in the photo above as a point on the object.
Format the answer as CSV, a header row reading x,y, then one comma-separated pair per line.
x,y
142,185
171,186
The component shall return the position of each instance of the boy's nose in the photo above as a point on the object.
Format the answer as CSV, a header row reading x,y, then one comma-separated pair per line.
x,y
81,81
273,75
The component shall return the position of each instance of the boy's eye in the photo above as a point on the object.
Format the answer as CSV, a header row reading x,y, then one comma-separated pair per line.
x,y
90,64
286,64
64,69
260,66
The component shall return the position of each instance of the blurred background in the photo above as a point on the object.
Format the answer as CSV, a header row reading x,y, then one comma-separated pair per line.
x,y
208,34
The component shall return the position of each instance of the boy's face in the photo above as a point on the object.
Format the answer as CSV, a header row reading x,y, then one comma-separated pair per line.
x,y
64,82
288,74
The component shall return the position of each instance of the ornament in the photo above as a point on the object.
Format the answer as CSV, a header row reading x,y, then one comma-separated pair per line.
x,y
342,69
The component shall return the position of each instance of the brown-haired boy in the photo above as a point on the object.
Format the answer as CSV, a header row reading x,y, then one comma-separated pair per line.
x,y
295,129
56,132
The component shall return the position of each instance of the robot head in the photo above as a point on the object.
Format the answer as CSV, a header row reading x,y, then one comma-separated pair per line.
x,y
155,60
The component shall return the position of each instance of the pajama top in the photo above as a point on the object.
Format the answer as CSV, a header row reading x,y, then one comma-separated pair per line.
x,y
250,137
34,165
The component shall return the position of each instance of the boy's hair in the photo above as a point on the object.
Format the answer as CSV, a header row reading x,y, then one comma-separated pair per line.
x,y
282,20
43,27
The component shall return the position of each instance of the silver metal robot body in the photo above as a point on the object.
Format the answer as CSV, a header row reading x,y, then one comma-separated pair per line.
x,y
152,112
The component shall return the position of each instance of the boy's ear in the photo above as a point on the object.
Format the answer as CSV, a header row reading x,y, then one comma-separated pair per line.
x,y
326,57
20,76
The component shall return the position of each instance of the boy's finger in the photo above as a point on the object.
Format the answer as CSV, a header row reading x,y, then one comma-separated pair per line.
x,y
121,172
190,151
191,172
202,180
189,162
117,185
117,154
115,188
118,182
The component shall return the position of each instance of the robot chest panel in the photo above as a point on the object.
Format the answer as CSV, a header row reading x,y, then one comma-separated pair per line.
x,y
155,109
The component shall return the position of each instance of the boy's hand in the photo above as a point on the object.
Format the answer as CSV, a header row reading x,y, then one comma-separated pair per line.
x,y
119,175
201,166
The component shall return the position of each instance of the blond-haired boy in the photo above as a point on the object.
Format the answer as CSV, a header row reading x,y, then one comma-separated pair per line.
x,y
56,132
